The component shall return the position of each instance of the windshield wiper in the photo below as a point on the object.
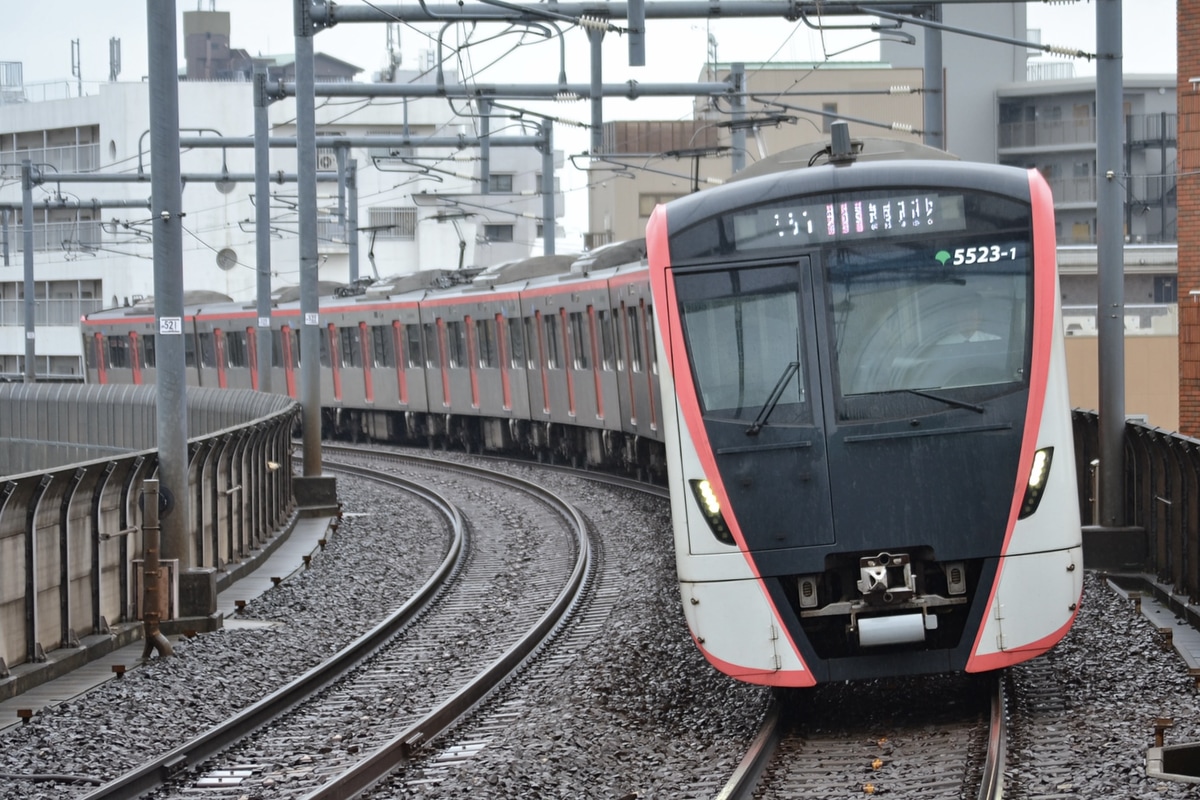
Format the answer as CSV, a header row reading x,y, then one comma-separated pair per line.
x,y
773,400
950,401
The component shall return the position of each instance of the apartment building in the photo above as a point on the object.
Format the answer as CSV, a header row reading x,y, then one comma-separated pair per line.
x,y
418,208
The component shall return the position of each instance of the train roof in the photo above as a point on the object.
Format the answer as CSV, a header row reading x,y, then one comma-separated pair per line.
x,y
525,269
868,148
632,251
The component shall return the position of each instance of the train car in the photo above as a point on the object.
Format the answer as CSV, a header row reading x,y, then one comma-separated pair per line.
x,y
528,356
867,427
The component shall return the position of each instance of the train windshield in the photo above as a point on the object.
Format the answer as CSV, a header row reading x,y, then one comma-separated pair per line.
x,y
929,316
744,337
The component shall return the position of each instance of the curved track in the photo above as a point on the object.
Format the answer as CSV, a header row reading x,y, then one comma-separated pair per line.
x,y
277,747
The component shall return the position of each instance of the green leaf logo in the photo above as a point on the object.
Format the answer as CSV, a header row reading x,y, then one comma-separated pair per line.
x,y
942,257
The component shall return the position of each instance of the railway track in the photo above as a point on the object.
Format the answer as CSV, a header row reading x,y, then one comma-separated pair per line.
x,y
923,738
368,709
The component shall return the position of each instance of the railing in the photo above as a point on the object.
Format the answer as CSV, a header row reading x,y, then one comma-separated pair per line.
x,y
69,235
48,312
1047,133
70,525
1073,190
1162,496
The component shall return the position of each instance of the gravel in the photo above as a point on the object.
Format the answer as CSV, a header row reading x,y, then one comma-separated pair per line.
x,y
631,711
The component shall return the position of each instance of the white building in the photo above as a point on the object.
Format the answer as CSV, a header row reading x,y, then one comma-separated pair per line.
x,y
88,255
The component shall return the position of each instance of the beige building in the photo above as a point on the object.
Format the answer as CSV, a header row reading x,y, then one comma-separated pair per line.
x,y
644,163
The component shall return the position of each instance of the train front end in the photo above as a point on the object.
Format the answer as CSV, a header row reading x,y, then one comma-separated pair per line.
x,y
868,433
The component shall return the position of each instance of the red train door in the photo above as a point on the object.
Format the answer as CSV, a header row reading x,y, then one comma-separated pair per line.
x,y
364,347
289,359
505,366
401,361
135,357
591,315
335,360
222,363
472,363
252,355
441,343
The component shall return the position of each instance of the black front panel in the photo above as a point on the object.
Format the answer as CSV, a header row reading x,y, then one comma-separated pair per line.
x,y
750,335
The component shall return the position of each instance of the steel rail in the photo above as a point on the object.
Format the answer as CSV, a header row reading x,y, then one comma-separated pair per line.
x,y
745,778
156,772
401,748
991,786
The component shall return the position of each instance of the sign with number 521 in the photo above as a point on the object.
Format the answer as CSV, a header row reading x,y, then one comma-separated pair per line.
x,y
170,325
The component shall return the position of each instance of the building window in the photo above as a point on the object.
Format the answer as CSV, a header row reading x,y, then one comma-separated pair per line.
x,y
647,202
500,182
498,233
394,223
1165,289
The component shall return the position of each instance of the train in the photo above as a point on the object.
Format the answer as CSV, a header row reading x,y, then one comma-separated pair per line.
x,y
851,376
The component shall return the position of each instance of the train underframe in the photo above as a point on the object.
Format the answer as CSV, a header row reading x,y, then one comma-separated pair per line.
x,y
541,441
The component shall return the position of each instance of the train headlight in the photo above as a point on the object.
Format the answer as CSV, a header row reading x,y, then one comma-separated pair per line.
x,y
1039,474
710,507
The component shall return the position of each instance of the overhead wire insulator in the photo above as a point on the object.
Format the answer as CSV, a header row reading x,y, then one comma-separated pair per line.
x,y
1058,49
900,89
901,127
592,23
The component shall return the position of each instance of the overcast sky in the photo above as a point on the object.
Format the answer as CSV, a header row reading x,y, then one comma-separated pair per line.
x,y
39,34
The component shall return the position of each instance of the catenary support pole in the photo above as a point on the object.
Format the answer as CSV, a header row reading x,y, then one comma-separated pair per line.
x,y
1110,259
27,237
167,228
306,189
262,228
935,89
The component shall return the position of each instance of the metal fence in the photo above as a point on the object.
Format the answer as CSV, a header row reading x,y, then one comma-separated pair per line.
x,y
1162,496
75,459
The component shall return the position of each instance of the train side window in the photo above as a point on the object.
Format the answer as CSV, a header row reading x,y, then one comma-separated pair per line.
x,y
383,346
208,350
149,355
516,343
532,355
619,335
324,338
189,350
235,349
651,344
431,348
276,348
118,352
351,348
580,341
456,343
90,356
635,339
485,336
607,344
553,352
412,335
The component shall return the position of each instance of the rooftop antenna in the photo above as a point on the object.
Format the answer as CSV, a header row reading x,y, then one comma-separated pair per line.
x,y
114,59
77,64
841,149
